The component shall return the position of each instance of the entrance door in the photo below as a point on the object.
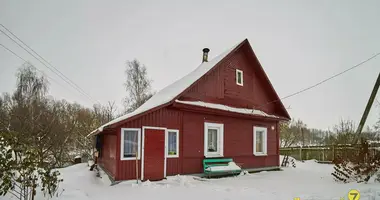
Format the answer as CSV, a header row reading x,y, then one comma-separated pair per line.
x,y
154,154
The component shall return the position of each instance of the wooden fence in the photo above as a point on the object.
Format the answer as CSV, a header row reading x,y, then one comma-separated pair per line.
x,y
328,152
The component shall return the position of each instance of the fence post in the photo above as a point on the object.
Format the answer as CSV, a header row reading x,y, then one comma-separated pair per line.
x,y
323,153
300,153
333,150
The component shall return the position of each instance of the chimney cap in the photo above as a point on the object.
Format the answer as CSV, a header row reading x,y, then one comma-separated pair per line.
x,y
206,50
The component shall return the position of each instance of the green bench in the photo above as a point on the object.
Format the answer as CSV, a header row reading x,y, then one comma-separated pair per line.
x,y
219,167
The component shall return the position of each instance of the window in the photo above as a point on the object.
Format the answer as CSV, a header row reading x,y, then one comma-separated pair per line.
x,y
259,141
213,140
173,144
239,77
130,143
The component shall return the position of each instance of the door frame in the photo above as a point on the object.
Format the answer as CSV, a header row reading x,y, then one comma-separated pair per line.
x,y
143,148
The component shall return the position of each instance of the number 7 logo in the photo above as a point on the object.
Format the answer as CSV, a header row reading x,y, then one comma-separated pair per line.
x,y
353,195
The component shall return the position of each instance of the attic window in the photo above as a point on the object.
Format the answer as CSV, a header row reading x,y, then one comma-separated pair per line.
x,y
239,77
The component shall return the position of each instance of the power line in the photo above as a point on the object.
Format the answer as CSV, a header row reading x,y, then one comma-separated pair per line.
x,y
44,60
60,74
68,81
323,81
18,56
6,48
15,54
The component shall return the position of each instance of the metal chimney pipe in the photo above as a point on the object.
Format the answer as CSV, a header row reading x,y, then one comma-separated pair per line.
x,y
205,55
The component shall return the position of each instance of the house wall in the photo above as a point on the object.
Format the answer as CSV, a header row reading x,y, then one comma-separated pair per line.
x,y
107,158
219,86
238,141
165,117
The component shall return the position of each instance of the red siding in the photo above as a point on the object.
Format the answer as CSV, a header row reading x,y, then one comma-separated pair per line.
x,y
219,86
173,166
209,88
238,141
108,153
165,117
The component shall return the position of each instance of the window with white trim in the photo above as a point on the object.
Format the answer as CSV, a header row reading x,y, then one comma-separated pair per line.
x,y
130,143
213,140
173,144
239,77
260,141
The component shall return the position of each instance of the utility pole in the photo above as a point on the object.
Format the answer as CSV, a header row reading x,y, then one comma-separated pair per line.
x,y
367,109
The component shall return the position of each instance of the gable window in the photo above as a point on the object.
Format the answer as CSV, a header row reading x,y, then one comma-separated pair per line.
x,y
130,143
173,144
213,140
239,77
259,141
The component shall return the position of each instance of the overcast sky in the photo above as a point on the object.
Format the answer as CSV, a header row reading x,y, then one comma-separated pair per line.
x,y
297,42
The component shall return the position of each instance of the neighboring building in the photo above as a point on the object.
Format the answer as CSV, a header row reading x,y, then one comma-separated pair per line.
x,y
226,107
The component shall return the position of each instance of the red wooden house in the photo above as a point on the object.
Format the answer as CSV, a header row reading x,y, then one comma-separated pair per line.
x,y
226,107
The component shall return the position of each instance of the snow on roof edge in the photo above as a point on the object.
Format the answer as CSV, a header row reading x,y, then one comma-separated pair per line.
x,y
227,108
171,91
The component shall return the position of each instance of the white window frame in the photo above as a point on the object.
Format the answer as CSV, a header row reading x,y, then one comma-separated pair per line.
x,y
238,71
220,139
177,147
265,142
138,143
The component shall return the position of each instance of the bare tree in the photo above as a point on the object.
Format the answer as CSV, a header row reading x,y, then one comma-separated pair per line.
x,y
344,132
47,132
30,86
294,133
287,136
137,85
377,125
27,132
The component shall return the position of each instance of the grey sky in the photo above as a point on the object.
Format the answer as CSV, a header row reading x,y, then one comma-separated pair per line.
x,y
297,42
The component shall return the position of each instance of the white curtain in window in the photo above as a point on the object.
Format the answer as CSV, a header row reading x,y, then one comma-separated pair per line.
x,y
259,141
212,138
130,143
172,143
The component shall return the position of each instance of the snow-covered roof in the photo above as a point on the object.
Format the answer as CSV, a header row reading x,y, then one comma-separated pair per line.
x,y
170,92
227,108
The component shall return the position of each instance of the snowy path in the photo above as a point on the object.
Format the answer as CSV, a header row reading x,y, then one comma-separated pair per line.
x,y
309,180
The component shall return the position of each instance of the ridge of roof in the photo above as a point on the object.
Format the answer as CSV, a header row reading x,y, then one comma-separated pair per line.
x,y
171,91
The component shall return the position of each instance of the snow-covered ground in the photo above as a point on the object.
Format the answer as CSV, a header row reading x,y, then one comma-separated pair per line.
x,y
308,180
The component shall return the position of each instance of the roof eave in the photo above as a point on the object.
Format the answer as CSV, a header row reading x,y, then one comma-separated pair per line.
x,y
201,109
287,116
138,115
93,133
